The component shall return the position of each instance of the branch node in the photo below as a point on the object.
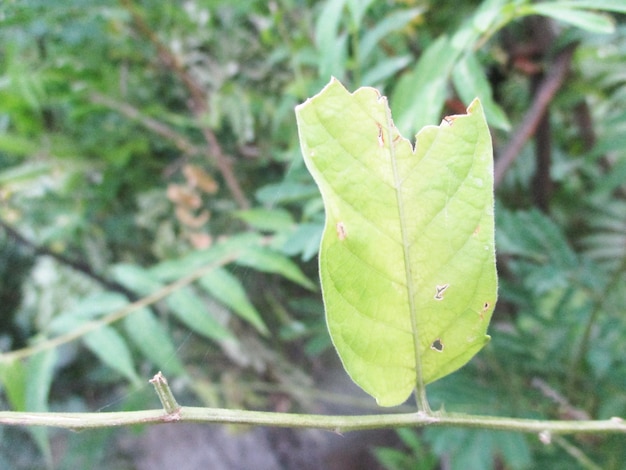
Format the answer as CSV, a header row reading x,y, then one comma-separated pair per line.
x,y
170,405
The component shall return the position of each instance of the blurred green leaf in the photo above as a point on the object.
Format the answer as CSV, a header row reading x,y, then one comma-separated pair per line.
x,y
269,261
618,6
357,9
267,220
331,44
17,145
87,309
153,340
111,349
185,304
476,448
229,249
569,12
39,377
470,82
419,96
533,235
284,192
304,239
226,288
13,377
194,313
394,21
385,68
135,278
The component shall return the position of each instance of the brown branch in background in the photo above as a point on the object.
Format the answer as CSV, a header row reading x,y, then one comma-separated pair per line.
x,y
542,182
198,104
180,141
545,93
79,266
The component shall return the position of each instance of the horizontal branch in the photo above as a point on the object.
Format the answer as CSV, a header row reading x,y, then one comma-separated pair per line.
x,y
336,423
90,326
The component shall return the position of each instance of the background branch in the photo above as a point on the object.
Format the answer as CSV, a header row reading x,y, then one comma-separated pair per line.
x,y
545,93
197,104
79,266
180,141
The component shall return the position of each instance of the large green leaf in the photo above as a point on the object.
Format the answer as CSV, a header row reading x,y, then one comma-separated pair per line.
x,y
407,260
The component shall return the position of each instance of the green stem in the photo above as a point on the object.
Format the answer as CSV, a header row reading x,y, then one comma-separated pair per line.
x,y
337,423
170,405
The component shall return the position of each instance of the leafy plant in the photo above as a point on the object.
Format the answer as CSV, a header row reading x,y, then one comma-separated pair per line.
x,y
150,171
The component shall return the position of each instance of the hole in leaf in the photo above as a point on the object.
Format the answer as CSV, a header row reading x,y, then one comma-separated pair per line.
x,y
437,345
440,290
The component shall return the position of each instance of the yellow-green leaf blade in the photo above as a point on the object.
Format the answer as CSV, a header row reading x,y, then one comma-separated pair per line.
x,y
407,260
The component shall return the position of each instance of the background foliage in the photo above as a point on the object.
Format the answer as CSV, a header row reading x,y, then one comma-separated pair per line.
x,y
141,141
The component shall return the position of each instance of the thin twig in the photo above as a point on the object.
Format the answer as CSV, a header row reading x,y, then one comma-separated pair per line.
x,y
545,93
181,142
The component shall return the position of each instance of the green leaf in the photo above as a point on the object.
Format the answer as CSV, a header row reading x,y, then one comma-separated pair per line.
x,y
357,10
385,68
39,376
618,6
407,260
226,288
17,145
394,21
13,378
470,81
111,349
185,304
569,12
91,307
135,278
330,43
25,172
169,270
268,220
152,339
419,95
268,261
305,239
194,313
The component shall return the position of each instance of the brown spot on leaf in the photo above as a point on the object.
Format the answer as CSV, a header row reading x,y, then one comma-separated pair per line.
x,y
381,137
341,231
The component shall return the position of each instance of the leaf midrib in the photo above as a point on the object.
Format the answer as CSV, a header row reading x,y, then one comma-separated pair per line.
x,y
406,244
